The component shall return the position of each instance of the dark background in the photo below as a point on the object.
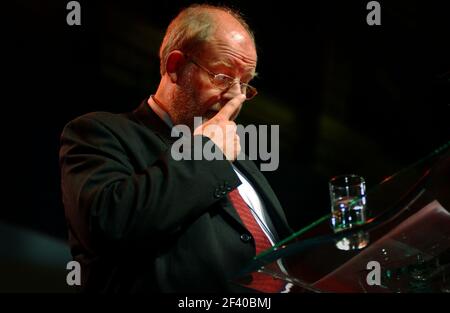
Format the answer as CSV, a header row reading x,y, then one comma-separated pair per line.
x,y
349,98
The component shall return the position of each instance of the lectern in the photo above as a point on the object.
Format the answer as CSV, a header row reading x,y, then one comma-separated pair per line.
x,y
404,247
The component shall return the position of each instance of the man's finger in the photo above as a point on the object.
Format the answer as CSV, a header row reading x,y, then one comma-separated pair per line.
x,y
230,107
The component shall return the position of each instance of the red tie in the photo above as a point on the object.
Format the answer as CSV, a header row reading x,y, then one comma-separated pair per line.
x,y
261,282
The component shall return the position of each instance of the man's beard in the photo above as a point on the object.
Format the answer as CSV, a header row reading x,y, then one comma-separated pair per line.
x,y
185,105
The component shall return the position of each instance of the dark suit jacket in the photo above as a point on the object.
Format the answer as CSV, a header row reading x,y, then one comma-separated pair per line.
x,y
140,221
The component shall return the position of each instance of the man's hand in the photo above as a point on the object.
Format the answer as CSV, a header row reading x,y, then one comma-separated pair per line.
x,y
222,130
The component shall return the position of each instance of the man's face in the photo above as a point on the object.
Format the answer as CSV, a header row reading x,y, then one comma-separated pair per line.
x,y
230,52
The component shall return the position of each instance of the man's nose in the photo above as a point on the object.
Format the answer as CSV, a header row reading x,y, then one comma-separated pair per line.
x,y
235,88
232,91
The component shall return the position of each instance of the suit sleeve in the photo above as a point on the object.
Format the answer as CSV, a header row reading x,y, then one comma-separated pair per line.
x,y
105,195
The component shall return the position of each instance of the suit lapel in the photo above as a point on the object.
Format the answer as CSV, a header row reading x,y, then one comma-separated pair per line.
x,y
273,206
148,118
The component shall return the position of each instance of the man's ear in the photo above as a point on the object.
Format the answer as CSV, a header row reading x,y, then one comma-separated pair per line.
x,y
174,64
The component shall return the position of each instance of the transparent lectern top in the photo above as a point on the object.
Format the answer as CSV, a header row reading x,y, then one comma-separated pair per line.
x,y
403,247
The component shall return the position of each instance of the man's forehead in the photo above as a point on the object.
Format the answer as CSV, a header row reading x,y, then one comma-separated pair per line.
x,y
231,45
233,63
223,53
237,36
236,39
230,31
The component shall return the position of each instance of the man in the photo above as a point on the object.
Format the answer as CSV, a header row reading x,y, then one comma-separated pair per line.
x,y
138,219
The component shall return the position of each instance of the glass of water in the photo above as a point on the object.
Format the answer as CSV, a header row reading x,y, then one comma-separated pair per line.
x,y
348,201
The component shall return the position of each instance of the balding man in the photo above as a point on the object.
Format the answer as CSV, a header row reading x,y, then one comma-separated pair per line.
x,y
139,219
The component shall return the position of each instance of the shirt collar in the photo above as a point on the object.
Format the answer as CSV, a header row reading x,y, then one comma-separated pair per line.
x,y
160,112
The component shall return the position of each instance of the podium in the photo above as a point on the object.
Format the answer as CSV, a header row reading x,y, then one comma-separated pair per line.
x,y
404,246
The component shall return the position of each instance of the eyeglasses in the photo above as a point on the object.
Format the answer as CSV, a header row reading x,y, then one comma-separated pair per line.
x,y
224,82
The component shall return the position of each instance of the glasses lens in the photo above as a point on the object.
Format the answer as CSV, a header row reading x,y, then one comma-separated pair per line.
x,y
249,91
222,81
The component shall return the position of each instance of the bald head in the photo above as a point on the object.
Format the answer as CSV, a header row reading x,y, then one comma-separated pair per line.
x,y
199,25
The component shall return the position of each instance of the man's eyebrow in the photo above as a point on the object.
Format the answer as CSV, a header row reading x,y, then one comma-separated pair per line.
x,y
222,62
252,74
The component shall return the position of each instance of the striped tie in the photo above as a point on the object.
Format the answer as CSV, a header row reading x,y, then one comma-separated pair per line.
x,y
261,282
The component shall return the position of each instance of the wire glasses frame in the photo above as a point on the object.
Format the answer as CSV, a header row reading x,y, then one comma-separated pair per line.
x,y
224,82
